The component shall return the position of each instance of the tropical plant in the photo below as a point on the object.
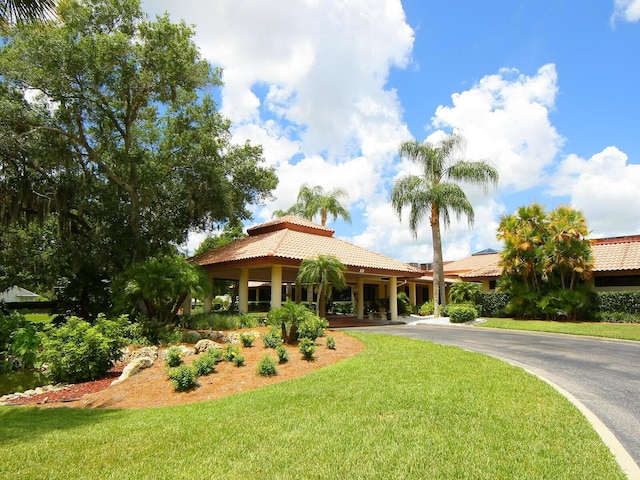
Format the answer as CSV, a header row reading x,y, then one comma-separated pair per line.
x,y
435,193
323,271
287,317
545,261
23,11
465,292
312,201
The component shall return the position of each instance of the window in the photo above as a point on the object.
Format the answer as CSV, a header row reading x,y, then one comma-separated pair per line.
x,y
618,281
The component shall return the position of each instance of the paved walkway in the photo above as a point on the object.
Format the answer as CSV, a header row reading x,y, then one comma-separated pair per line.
x,y
600,376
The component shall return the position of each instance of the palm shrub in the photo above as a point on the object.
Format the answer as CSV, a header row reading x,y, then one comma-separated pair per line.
x,y
78,351
288,317
465,292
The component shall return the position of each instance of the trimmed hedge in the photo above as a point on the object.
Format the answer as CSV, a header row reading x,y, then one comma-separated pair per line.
x,y
618,302
493,304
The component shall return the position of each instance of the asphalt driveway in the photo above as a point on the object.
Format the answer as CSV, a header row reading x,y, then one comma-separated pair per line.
x,y
604,375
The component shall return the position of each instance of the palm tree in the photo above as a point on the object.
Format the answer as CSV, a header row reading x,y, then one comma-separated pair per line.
x,y
312,201
21,11
435,193
323,270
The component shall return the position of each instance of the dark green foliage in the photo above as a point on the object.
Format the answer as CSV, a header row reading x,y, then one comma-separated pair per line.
x,y
283,354
288,317
267,367
220,321
461,313
404,306
313,327
238,360
331,342
247,339
78,351
307,348
272,339
174,357
624,301
19,342
493,304
206,363
184,378
464,292
230,352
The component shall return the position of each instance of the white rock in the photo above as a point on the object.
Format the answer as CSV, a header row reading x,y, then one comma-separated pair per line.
x,y
132,368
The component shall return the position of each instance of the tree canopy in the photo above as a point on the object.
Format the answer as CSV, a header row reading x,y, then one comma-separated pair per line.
x,y
323,271
435,193
314,201
108,125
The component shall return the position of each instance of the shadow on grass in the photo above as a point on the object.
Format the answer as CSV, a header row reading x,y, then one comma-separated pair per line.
x,y
24,423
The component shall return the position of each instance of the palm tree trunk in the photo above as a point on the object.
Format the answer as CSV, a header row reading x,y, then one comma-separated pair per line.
x,y
438,271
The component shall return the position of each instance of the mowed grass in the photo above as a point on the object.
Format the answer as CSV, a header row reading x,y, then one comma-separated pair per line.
x,y
402,409
621,331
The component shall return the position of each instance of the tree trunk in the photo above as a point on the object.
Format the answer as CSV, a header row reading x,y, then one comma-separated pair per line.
x,y
438,273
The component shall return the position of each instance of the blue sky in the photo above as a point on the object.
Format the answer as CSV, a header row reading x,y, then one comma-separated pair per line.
x,y
546,91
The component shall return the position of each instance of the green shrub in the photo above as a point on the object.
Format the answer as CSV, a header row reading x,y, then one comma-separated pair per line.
x,y
404,305
312,327
465,292
238,360
283,354
623,301
247,339
174,357
231,352
426,308
267,367
493,304
19,342
78,351
461,313
617,317
183,378
206,363
307,348
331,342
272,339
288,317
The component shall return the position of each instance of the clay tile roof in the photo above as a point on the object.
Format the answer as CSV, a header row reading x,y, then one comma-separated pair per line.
x,y
472,262
293,238
611,255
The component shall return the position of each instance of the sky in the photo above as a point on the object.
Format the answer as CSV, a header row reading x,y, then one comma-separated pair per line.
x,y
546,91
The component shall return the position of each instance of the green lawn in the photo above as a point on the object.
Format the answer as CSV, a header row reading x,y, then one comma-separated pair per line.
x,y
624,331
402,409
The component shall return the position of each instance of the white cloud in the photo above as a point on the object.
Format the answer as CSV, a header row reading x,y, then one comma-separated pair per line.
x,y
604,188
627,10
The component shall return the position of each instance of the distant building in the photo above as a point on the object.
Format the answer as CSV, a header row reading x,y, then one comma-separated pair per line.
x,y
17,294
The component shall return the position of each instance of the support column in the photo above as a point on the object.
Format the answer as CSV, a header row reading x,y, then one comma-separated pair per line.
x,y
360,303
412,294
208,303
276,286
393,297
243,291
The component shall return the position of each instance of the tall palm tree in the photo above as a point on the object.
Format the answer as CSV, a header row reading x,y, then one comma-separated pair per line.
x,y
21,11
435,193
312,201
323,271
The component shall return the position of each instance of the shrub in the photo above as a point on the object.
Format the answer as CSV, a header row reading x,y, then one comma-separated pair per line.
x,y
307,348
493,304
461,313
238,360
331,343
78,351
465,292
19,342
403,303
283,354
426,308
267,367
183,378
272,339
206,363
313,327
174,357
288,317
624,301
247,339
230,351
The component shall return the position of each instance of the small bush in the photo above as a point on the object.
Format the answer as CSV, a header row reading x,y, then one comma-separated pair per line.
x,y
312,328
461,313
331,343
183,378
272,339
247,339
267,367
283,354
307,348
426,308
493,304
230,352
206,363
174,357
238,360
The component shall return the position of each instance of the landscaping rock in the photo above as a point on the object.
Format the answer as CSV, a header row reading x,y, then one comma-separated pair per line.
x,y
150,352
185,351
205,344
133,367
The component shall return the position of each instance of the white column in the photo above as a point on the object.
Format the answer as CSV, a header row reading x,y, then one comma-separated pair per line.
x,y
276,286
243,291
412,294
393,297
360,303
